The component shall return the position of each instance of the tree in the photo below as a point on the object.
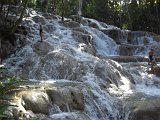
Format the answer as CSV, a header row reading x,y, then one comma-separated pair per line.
x,y
18,22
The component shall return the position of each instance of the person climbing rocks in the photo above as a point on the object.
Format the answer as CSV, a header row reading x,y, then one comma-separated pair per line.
x,y
41,32
151,56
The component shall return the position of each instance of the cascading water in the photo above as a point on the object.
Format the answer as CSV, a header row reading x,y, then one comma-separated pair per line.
x,y
79,84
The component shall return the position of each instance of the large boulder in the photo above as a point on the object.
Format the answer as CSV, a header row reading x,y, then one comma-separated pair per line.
x,y
38,102
107,74
69,24
155,70
58,65
62,99
85,41
138,106
116,34
39,19
67,98
129,49
49,28
42,48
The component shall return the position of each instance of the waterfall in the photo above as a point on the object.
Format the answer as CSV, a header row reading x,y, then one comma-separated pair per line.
x,y
86,86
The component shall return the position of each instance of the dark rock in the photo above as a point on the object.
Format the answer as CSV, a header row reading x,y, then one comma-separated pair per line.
x,y
129,49
38,19
115,34
147,110
67,97
70,24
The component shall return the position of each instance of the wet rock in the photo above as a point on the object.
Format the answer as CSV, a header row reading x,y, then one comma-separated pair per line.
x,y
50,16
147,110
133,37
126,59
143,107
122,70
70,24
49,28
156,70
94,25
38,102
129,49
107,73
79,29
56,65
42,48
72,116
88,49
86,42
84,22
82,37
115,34
67,98
38,19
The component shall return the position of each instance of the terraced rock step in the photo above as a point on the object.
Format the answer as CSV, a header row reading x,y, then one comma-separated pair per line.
x,y
129,58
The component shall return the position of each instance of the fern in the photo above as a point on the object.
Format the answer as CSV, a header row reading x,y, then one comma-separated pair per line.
x,y
7,85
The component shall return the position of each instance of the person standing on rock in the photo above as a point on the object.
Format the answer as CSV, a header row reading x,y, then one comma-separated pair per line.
x,y
41,32
151,56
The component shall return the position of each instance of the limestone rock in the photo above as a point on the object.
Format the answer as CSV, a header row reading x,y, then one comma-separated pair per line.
x,y
49,28
38,102
156,70
42,48
142,107
107,74
57,65
129,49
70,24
38,19
115,34
84,22
85,40
94,25
67,98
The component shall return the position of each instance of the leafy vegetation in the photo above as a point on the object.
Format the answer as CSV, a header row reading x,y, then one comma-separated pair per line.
x,y
130,14
7,85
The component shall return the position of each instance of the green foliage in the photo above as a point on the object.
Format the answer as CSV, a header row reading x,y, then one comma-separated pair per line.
x,y
134,14
32,3
7,85
125,26
88,8
3,108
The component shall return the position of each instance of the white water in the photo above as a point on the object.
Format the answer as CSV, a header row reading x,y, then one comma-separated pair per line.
x,y
99,104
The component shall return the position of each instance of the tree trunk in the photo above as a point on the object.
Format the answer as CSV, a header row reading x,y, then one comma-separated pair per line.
x,y
129,17
47,6
17,23
62,10
6,16
150,18
53,3
1,9
157,12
